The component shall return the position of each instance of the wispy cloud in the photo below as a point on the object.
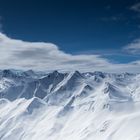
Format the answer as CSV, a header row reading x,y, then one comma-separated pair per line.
x,y
133,48
135,7
114,18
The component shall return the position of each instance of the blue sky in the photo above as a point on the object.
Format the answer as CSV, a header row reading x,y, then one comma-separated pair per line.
x,y
90,27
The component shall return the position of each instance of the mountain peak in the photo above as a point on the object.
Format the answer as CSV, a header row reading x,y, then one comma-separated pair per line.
x,y
99,73
8,73
77,74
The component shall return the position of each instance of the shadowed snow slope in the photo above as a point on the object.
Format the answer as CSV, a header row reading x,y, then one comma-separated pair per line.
x,y
66,106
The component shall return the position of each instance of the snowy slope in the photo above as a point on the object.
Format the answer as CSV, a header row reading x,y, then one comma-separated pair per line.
x,y
66,106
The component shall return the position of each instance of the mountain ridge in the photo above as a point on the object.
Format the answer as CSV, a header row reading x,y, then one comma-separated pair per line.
x,y
62,106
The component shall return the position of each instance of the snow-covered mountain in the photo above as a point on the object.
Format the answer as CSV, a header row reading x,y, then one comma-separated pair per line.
x,y
66,106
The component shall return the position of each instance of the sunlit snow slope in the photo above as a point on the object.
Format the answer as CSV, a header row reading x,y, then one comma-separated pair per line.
x,y
69,106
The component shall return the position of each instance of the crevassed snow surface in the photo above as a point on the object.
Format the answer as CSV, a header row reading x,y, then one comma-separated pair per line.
x,y
66,106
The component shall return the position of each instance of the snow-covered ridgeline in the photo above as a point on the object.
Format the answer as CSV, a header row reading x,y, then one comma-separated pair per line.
x,y
65,106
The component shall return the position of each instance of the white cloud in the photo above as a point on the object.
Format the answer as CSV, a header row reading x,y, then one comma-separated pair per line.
x,y
133,48
43,56
20,54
